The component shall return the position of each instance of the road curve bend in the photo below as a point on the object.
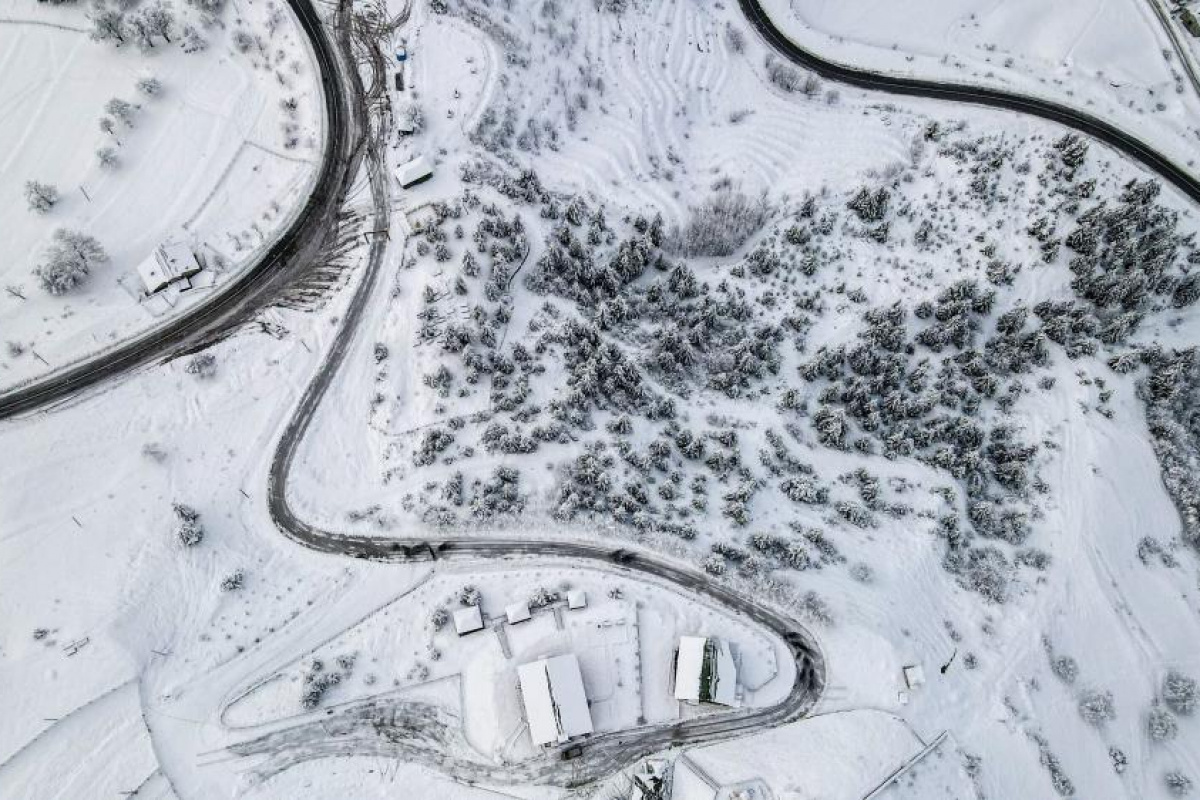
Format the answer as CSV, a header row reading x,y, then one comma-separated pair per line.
x,y
298,246
1085,123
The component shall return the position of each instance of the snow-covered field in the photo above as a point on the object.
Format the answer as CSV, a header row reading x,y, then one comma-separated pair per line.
x,y
1111,58
204,157
542,358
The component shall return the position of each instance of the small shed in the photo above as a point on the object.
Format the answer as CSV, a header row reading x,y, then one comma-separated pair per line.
x,y
171,261
416,171
517,612
468,620
914,675
576,598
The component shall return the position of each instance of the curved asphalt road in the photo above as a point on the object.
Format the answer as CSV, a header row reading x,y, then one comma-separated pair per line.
x,y
605,753
1095,127
297,247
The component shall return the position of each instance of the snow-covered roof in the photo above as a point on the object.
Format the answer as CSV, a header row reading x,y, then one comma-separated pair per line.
x,y
153,276
576,598
171,260
555,702
914,675
178,259
468,619
413,172
705,672
517,612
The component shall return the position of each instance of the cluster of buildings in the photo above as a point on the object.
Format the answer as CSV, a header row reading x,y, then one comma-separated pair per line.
x,y
552,689
556,704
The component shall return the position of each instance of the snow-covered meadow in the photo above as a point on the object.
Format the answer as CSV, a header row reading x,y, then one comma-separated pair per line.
x,y
849,355
216,145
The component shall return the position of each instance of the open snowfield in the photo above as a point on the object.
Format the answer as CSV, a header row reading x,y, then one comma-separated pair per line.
x,y
864,409
207,155
1111,58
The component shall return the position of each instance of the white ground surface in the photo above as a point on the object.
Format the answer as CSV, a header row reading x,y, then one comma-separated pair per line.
x,y
87,551
207,155
1105,57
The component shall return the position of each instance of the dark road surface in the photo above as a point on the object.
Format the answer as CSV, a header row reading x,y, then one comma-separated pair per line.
x,y
299,246
348,143
1095,127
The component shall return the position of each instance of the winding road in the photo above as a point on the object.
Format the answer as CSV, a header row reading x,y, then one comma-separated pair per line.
x,y
1085,123
299,246
349,142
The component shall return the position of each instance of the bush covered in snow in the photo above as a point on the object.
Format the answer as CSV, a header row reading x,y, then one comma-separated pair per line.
x,y
69,260
719,225
1180,693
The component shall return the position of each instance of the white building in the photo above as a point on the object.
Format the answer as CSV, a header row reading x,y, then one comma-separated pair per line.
x,y
914,675
414,172
576,598
517,612
705,671
468,620
171,261
555,702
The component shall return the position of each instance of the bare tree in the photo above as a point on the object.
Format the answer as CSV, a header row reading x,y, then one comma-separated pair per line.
x,y
151,86
69,260
121,110
108,25
40,196
107,156
160,20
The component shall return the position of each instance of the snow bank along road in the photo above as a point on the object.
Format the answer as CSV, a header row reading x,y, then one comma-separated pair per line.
x,y
1126,143
299,245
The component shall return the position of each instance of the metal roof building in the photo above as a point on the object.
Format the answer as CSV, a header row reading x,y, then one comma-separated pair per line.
x,y
413,172
705,671
555,702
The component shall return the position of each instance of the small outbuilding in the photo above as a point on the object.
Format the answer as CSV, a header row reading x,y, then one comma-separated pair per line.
x,y
576,598
555,702
468,620
517,612
171,261
416,171
914,675
705,671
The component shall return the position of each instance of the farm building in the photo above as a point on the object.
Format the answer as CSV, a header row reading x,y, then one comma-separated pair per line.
x,y
705,671
414,172
555,702
468,620
171,261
